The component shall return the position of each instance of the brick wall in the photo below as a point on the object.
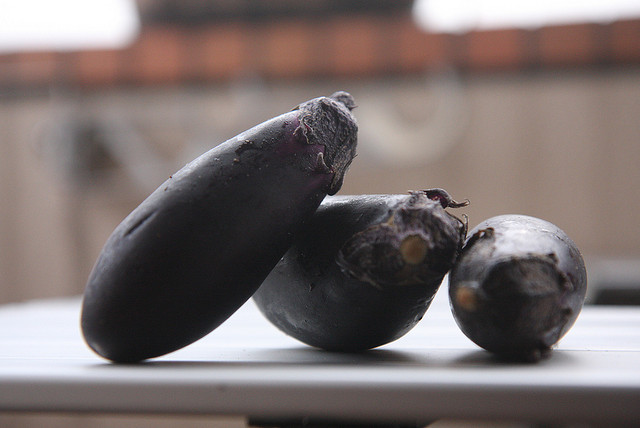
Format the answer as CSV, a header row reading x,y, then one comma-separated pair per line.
x,y
339,46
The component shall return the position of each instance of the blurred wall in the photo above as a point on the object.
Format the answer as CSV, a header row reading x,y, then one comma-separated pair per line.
x,y
543,122
563,146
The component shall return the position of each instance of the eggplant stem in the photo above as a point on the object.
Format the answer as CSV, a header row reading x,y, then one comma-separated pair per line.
x,y
445,199
413,249
467,298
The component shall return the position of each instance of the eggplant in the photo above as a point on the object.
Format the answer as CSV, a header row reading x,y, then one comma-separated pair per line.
x,y
518,286
201,244
364,270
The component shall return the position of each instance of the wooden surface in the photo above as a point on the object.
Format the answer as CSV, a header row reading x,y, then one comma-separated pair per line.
x,y
247,367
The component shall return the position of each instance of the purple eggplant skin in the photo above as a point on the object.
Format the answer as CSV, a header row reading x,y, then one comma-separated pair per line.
x,y
200,245
518,286
364,271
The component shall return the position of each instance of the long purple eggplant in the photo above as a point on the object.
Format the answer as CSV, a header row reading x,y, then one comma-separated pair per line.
x,y
201,244
364,271
518,286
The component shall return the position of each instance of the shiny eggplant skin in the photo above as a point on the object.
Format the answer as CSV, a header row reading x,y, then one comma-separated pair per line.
x,y
518,286
364,270
200,245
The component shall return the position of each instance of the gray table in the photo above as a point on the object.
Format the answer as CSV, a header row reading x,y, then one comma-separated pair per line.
x,y
247,367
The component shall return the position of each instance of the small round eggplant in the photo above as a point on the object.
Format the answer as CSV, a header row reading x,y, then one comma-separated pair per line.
x,y
200,245
364,271
518,286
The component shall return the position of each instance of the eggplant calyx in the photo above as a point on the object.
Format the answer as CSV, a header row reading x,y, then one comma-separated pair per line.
x,y
443,197
417,244
327,121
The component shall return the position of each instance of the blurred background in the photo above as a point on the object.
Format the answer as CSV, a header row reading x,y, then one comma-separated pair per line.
x,y
521,108
530,108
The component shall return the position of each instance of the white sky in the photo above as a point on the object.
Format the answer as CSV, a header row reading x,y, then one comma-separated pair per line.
x,y
464,15
27,25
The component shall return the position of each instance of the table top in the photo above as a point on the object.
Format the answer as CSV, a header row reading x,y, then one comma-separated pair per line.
x,y
247,367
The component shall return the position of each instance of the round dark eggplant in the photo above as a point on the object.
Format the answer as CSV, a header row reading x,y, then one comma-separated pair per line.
x,y
200,245
518,286
364,270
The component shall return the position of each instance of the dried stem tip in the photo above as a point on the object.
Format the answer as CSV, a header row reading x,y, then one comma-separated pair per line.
x,y
466,298
413,249
445,199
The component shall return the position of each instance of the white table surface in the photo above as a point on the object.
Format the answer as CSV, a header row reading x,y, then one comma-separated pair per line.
x,y
247,367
